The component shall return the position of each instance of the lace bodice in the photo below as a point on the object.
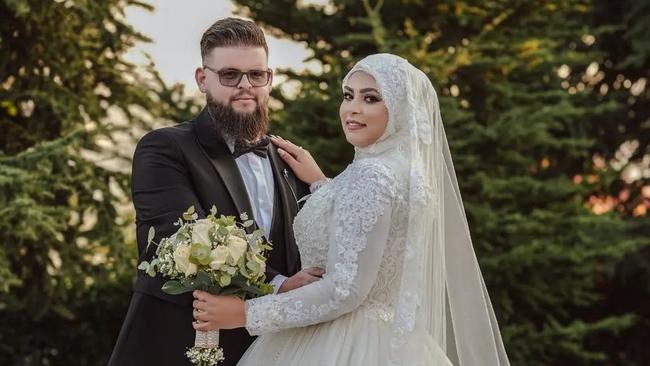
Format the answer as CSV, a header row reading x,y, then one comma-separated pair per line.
x,y
354,228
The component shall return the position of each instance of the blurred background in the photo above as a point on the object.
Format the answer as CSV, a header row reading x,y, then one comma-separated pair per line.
x,y
547,111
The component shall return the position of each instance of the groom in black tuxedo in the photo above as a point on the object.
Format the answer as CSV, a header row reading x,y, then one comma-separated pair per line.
x,y
222,158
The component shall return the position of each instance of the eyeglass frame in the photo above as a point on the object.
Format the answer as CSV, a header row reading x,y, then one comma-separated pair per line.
x,y
268,72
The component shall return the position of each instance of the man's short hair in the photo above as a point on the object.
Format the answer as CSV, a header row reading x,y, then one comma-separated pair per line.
x,y
230,32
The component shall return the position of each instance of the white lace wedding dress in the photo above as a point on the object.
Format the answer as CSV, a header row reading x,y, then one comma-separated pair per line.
x,y
403,286
354,228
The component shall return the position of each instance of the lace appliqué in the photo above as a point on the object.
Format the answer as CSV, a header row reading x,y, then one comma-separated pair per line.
x,y
359,211
310,228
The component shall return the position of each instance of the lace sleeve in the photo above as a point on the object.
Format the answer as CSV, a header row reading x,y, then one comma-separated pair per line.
x,y
318,184
358,232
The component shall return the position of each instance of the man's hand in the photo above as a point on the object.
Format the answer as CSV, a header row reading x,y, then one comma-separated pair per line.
x,y
218,312
302,278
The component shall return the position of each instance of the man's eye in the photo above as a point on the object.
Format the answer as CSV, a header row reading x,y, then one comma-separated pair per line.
x,y
230,75
257,75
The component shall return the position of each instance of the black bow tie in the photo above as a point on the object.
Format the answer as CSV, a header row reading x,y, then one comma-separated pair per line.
x,y
258,148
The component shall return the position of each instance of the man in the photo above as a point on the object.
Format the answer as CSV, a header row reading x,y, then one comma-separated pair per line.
x,y
221,158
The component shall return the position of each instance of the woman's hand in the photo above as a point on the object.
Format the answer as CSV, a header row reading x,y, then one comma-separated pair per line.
x,y
299,160
218,312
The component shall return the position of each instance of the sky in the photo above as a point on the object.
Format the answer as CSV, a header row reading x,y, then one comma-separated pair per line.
x,y
176,28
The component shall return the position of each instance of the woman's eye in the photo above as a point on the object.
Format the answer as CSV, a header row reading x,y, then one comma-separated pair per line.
x,y
371,99
347,96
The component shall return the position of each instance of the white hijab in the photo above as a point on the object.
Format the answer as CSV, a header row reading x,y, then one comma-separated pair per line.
x,y
442,289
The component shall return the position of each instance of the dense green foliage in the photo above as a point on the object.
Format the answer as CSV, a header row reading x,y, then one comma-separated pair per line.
x,y
69,104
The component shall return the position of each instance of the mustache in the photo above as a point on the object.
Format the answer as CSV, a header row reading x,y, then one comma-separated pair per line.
x,y
243,94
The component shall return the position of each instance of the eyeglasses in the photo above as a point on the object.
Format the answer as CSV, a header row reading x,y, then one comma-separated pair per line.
x,y
232,77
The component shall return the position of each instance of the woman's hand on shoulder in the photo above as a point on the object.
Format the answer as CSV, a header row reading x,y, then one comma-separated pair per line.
x,y
299,160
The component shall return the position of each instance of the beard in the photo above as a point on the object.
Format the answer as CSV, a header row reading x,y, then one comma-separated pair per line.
x,y
242,127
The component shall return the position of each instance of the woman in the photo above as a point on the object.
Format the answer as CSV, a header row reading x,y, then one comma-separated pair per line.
x,y
402,284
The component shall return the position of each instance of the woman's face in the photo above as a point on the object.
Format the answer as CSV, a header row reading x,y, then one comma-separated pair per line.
x,y
363,113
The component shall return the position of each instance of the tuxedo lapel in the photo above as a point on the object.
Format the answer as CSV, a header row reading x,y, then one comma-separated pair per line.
x,y
286,187
217,152
286,182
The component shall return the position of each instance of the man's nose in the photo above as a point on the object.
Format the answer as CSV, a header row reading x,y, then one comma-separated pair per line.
x,y
244,83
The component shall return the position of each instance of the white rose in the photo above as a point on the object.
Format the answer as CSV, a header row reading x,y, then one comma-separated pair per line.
x,y
218,257
200,231
182,260
237,247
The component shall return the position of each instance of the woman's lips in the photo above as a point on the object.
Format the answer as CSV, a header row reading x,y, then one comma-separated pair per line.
x,y
353,125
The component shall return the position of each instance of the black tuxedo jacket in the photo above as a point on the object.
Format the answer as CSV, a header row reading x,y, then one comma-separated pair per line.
x,y
175,168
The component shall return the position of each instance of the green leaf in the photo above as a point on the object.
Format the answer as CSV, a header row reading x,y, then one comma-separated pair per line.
x,y
242,267
202,280
255,236
63,311
231,290
176,288
225,280
190,214
143,266
151,235
239,282
151,271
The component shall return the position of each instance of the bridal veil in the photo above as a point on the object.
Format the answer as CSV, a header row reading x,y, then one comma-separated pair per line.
x,y
442,289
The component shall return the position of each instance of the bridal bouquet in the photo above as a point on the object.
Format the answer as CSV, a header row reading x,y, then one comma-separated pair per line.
x,y
216,255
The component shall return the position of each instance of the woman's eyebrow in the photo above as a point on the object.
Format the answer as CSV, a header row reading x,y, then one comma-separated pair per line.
x,y
364,90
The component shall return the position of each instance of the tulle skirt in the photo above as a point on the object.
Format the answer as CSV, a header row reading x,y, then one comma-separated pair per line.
x,y
355,339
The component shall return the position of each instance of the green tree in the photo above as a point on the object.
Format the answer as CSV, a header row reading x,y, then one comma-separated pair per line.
x,y
526,124
621,35
69,106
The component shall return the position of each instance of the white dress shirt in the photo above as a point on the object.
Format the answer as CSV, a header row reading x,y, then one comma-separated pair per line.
x,y
258,178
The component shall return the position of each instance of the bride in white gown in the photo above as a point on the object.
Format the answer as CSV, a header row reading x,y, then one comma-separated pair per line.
x,y
402,284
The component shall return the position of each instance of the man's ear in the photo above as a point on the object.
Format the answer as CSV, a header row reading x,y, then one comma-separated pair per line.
x,y
199,76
